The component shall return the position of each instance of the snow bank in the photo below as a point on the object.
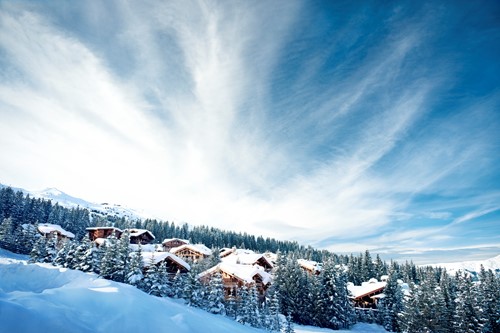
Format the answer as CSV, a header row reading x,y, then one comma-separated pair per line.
x,y
359,328
42,298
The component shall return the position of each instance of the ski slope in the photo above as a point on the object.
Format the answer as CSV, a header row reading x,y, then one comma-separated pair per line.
x,y
43,298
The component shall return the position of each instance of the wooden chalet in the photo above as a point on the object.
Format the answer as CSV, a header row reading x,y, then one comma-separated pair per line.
x,y
174,263
192,252
236,276
103,232
140,236
54,230
310,266
248,257
170,243
367,295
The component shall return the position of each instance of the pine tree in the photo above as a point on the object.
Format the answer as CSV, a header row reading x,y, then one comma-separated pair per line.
x,y
123,257
7,231
109,266
178,284
39,251
288,325
135,275
274,323
489,301
466,314
368,268
215,297
152,279
60,259
193,292
411,317
84,255
392,304
51,247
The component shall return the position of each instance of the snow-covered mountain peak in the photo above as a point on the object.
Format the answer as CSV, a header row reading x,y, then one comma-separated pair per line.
x,y
52,191
68,201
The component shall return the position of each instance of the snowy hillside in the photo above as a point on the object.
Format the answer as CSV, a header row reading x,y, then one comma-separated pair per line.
x,y
43,298
472,266
69,201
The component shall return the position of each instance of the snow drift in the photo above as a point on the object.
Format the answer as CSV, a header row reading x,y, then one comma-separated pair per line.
x,y
43,298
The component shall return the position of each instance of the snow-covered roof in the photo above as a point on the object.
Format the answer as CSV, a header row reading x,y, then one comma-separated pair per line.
x,y
226,251
160,256
166,240
193,247
103,228
139,232
310,265
146,247
245,273
366,288
47,228
245,257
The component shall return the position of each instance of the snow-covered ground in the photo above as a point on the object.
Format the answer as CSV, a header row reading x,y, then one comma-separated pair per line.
x,y
43,298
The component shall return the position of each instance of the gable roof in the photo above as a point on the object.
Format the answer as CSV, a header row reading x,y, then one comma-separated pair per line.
x,y
166,240
47,228
366,288
139,232
246,257
200,248
161,256
244,273
103,228
310,265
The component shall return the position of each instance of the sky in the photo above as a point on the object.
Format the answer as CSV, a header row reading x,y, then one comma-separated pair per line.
x,y
344,125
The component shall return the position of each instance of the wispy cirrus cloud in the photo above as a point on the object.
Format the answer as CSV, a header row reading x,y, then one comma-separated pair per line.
x,y
233,116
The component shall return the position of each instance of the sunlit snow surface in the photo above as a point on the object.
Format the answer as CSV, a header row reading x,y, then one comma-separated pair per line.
x,y
43,298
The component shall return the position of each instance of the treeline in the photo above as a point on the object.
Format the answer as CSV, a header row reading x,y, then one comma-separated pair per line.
x,y
20,214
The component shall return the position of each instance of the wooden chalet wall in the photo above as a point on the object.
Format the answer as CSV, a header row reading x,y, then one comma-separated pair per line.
x,y
142,239
103,233
190,254
232,285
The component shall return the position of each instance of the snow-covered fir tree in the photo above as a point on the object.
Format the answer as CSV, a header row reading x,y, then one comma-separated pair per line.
x,y
193,290
467,317
85,255
135,271
109,264
39,251
60,259
215,295
391,305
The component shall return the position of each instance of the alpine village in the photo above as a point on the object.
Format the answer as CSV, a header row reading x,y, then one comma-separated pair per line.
x,y
260,282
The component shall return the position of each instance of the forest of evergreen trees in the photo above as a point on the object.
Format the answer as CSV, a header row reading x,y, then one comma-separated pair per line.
x,y
436,302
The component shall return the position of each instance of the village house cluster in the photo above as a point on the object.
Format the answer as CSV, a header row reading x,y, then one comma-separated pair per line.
x,y
238,267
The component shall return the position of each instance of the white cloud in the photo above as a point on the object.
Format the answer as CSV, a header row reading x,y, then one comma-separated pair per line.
x,y
188,133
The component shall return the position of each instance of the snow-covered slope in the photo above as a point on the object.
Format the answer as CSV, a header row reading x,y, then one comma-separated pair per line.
x,y
472,266
69,201
42,298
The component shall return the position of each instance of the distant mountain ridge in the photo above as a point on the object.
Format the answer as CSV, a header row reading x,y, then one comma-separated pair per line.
x,y
473,267
68,201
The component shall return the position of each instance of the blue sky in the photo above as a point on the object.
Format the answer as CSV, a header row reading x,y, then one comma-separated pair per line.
x,y
346,125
